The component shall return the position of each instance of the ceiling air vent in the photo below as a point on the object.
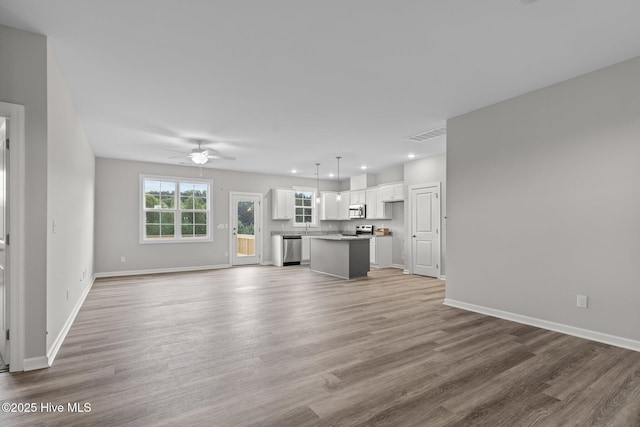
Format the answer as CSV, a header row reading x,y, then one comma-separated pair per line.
x,y
430,134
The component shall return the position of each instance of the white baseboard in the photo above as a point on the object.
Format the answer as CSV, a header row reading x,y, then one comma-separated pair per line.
x,y
443,277
161,270
545,324
400,266
34,363
267,263
57,343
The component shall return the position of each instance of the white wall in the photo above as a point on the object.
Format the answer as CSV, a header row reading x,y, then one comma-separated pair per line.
x,y
70,196
23,80
544,203
424,171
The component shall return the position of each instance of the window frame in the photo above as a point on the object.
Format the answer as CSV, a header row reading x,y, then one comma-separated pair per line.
x,y
177,210
314,206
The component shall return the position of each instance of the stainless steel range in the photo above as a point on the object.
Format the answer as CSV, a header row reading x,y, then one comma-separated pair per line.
x,y
361,229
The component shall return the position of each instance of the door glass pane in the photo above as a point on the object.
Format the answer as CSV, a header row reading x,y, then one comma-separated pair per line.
x,y
246,232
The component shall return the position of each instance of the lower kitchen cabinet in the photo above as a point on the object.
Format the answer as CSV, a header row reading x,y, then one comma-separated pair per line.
x,y
380,251
306,252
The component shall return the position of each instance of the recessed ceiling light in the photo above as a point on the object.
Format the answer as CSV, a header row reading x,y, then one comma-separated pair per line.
x,y
363,167
294,171
411,156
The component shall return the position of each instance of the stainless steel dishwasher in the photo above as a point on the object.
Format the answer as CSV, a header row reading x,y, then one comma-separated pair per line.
x,y
291,250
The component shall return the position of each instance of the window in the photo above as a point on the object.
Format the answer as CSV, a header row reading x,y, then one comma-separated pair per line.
x,y
174,209
305,207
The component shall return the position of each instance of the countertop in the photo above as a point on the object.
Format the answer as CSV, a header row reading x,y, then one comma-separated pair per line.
x,y
324,234
344,238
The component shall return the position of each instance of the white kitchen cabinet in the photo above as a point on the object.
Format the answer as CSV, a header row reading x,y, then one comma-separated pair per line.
x,y
376,209
282,203
380,251
343,206
306,252
392,192
333,209
328,206
358,197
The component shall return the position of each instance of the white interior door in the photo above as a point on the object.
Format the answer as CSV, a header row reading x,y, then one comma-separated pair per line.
x,y
425,230
246,224
3,232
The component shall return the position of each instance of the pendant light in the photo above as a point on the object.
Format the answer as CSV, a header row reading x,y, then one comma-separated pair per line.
x,y
317,183
339,196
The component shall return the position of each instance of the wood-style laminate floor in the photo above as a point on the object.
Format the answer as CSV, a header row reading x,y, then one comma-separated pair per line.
x,y
287,347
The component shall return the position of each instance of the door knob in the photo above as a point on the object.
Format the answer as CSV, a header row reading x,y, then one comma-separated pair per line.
x,y
414,236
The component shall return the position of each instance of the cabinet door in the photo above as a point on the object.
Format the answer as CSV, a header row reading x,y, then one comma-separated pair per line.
x,y
343,207
372,251
282,201
398,192
372,203
306,253
392,193
386,193
329,207
358,197
290,200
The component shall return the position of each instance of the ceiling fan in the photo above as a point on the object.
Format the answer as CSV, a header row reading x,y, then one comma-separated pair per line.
x,y
200,156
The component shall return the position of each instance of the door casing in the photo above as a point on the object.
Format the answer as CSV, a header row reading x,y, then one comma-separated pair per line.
x,y
258,225
16,266
411,232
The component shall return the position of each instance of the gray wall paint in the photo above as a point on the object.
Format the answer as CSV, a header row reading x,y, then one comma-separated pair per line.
x,y
544,203
424,171
70,194
117,217
23,80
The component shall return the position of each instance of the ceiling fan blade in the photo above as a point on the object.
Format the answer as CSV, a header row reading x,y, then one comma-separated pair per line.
x,y
175,151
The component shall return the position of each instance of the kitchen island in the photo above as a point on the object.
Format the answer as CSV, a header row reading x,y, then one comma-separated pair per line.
x,y
341,256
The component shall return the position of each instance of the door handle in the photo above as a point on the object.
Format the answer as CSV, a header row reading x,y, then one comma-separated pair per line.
x,y
414,236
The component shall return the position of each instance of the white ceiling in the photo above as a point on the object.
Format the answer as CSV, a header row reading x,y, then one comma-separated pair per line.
x,y
283,84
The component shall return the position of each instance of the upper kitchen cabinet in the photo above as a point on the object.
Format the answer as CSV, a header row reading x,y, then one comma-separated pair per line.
x,y
376,208
392,192
358,197
282,203
333,209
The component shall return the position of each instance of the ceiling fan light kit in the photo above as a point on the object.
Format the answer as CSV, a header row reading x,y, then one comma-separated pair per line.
x,y
199,157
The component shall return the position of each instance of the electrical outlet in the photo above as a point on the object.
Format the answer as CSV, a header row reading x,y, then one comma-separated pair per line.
x,y
226,254
402,255
123,259
582,301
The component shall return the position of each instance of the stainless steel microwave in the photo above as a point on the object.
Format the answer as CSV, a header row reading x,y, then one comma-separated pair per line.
x,y
357,211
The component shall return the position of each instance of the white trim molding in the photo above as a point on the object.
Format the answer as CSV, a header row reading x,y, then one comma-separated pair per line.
x,y
160,270
34,363
545,324
57,343
443,277
16,115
